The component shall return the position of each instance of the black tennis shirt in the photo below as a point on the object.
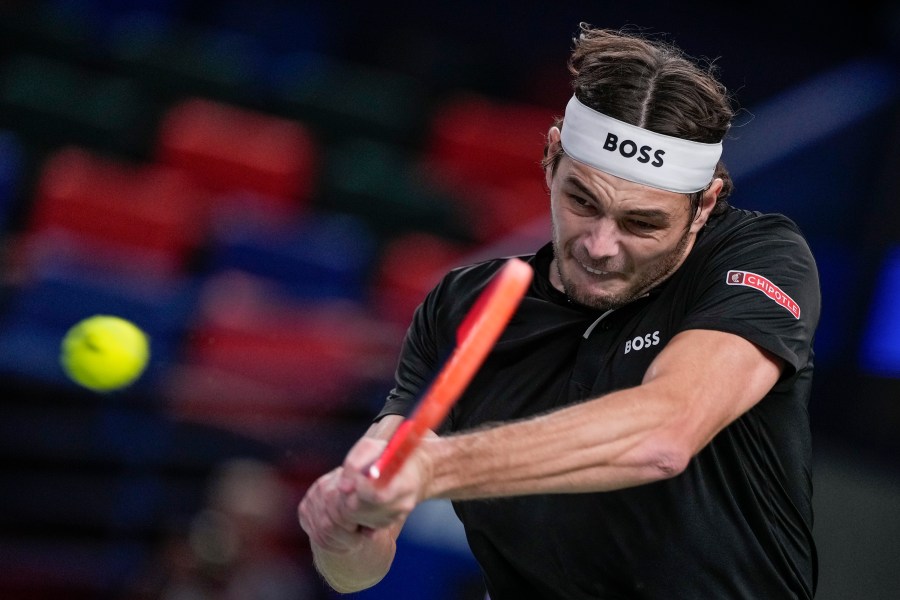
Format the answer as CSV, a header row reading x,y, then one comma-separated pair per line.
x,y
737,523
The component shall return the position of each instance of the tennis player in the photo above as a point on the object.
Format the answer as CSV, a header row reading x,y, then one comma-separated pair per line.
x,y
640,430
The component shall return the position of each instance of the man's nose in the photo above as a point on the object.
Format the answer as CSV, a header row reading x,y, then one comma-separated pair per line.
x,y
603,240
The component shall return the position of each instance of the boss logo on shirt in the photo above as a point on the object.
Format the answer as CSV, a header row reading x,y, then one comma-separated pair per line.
x,y
642,341
748,279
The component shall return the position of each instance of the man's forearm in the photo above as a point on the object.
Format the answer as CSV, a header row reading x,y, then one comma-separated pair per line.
x,y
626,438
576,449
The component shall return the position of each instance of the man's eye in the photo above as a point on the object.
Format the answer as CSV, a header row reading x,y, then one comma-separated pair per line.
x,y
643,225
580,201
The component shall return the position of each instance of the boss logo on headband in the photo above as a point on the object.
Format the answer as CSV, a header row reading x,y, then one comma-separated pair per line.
x,y
629,149
626,151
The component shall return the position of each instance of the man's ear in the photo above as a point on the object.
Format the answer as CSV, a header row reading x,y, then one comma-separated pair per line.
x,y
553,137
707,203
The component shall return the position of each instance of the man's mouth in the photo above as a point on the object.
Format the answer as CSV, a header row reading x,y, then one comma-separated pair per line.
x,y
595,271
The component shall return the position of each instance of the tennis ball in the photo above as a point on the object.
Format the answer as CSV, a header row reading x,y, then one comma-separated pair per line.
x,y
104,353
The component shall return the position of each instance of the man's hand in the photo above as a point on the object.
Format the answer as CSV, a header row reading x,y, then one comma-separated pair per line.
x,y
373,504
352,523
323,519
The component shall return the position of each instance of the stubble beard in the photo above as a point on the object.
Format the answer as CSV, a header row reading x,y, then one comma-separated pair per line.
x,y
655,275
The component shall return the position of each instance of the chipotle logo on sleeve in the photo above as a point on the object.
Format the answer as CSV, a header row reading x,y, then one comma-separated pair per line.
x,y
753,280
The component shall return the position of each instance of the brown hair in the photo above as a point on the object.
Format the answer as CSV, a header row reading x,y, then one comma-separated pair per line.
x,y
651,84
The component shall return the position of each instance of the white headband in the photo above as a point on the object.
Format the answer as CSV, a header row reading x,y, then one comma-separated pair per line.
x,y
636,154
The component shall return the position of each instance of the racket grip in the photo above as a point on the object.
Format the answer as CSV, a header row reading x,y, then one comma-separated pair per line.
x,y
394,454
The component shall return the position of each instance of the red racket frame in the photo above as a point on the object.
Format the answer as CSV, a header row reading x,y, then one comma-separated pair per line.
x,y
475,338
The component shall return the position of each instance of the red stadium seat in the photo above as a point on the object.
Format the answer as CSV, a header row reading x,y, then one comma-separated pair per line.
x,y
135,207
253,358
487,154
56,247
409,267
230,149
481,141
497,212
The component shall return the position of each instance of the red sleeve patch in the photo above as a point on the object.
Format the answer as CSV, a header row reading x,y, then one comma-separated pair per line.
x,y
748,279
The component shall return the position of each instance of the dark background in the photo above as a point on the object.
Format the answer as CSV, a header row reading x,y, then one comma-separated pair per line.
x,y
274,238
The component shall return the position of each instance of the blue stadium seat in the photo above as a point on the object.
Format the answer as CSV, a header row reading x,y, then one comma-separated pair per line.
x,y
318,257
12,167
68,568
283,27
175,59
344,99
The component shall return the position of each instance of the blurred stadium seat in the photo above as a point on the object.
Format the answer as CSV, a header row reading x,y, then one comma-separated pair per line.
x,y
52,102
227,148
486,154
318,257
477,140
54,247
284,28
409,267
176,59
345,99
137,206
259,361
12,177
386,185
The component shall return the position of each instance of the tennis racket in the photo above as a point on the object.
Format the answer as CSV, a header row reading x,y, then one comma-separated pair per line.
x,y
475,337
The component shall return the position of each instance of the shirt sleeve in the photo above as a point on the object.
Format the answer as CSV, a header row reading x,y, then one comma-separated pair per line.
x,y
760,282
418,358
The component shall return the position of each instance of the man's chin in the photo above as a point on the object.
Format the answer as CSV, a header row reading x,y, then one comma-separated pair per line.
x,y
599,299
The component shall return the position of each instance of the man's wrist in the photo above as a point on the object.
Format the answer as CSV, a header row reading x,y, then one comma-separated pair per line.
x,y
440,463
356,568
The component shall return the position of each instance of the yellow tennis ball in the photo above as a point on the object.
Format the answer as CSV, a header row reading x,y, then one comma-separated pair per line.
x,y
104,352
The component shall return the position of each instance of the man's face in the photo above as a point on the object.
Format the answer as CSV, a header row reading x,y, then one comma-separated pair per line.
x,y
614,240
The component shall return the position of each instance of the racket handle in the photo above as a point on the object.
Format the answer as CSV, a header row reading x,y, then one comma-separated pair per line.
x,y
401,445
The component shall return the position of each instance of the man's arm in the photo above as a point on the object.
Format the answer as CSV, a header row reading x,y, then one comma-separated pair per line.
x,y
349,557
700,382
